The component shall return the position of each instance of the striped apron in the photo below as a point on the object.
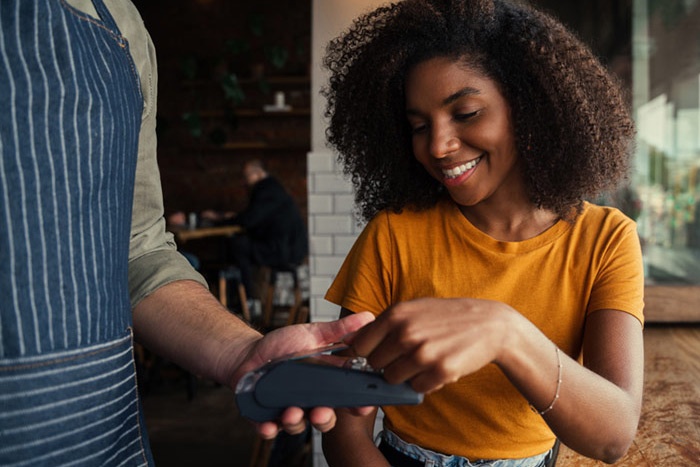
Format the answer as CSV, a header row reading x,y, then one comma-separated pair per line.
x,y
70,113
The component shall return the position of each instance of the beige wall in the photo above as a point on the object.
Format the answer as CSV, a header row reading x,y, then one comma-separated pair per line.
x,y
332,227
329,18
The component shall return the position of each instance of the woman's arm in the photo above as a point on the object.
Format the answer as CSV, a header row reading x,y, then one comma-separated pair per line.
x,y
432,342
351,443
599,403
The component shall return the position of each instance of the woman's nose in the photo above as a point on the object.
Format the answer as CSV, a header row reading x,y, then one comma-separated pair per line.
x,y
443,141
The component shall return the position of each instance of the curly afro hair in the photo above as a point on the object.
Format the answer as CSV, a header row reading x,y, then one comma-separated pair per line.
x,y
572,126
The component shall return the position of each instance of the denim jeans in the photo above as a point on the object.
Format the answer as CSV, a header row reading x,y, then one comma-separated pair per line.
x,y
434,459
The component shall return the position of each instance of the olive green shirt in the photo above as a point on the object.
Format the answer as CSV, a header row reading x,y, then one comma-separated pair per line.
x,y
153,257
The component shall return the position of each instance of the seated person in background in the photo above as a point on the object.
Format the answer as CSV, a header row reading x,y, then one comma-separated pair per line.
x,y
275,233
177,219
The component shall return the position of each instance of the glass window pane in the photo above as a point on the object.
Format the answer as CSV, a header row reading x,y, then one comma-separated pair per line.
x,y
666,102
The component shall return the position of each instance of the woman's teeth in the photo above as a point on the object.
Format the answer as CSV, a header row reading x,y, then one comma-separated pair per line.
x,y
459,170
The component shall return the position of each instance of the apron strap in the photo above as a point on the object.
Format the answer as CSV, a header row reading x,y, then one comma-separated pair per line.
x,y
105,15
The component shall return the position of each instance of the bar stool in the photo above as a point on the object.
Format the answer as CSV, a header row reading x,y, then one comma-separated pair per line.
x,y
260,456
270,283
232,273
285,449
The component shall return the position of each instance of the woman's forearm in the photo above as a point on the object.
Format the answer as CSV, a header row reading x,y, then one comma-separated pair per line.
x,y
595,408
350,443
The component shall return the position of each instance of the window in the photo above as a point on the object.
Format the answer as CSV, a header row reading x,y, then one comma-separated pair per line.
x,y
666,103
654,47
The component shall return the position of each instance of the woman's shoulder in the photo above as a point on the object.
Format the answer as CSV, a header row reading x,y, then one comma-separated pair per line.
x,y
603,213
601,218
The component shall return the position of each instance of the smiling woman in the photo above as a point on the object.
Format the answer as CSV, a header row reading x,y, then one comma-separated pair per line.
x,y
482,128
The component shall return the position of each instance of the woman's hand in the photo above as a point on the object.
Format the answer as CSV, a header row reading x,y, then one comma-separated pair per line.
x,y
432,342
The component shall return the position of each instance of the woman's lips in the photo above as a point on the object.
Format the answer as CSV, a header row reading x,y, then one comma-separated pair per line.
x,y
458,174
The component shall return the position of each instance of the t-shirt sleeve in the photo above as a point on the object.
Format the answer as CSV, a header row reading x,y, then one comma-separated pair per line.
x,y
364,282
619,284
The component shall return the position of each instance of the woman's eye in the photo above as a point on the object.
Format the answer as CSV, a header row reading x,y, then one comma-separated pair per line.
x,y
466,116
415,129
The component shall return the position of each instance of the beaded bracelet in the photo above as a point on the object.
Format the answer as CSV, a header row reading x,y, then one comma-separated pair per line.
x,y
556,395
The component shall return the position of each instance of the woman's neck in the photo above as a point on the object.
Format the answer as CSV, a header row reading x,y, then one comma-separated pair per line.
x,y
514,222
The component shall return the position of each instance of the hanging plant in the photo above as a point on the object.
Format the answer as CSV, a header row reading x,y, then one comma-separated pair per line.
x,y
232,89
277,56
194,124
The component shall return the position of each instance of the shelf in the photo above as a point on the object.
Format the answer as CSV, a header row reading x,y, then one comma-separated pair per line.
x,y
237,145
272,80
250,145
256,113
279,80
253,125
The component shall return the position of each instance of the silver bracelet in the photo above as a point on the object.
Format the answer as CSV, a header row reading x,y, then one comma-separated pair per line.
x,y
556,395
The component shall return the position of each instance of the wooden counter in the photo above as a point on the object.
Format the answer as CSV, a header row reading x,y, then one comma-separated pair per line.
x,y
669,429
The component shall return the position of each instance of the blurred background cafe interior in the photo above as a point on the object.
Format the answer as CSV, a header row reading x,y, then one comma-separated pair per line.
x,y
240,81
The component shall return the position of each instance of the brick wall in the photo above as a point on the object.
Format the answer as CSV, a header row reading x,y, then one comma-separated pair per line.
x,y
332,226
333,229
200,174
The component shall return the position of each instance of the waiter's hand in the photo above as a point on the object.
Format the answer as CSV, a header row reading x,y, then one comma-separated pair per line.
x,y
291,339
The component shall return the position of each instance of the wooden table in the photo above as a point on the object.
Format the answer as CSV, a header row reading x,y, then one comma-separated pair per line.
x,y
183,234
669,429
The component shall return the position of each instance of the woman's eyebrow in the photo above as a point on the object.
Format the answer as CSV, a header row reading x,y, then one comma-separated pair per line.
x,y
467,91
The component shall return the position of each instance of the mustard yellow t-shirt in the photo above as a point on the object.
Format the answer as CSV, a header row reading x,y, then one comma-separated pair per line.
x,y
554,279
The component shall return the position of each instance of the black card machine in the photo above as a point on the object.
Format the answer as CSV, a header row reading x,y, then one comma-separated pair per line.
x,y
318,378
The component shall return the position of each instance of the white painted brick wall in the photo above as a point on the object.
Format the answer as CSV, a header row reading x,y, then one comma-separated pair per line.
x,y
333,225
343,203
331,183
320,162
321,245
343,243
321,204
332,228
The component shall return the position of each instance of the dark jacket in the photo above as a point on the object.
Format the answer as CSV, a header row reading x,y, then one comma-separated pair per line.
x,y
274,224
